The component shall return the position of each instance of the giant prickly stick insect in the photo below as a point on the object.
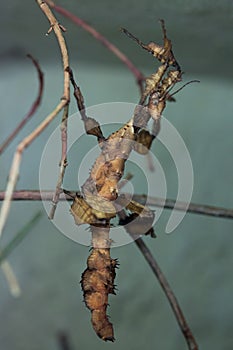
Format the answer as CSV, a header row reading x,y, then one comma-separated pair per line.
x,y
99,200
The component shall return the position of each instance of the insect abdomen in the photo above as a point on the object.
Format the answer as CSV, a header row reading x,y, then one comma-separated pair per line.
x,y
97,282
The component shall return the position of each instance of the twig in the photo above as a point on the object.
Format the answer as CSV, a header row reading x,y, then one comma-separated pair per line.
x,y
63,162
81,23
4,253
6,268
11,279
192,207
191,342
63,341
32,110
36,195
192,345
14,171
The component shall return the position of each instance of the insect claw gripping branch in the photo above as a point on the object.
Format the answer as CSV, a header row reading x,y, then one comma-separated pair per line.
x,y
99,201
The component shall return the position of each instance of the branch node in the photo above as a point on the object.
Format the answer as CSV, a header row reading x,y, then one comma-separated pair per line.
x,y
50,30
62,27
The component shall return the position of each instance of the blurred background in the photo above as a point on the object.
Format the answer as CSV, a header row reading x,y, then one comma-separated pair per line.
x,y
197,257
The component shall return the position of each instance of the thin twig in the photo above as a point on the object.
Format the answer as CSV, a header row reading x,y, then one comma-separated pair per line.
x,y
63,162
36,195
193,208
11,279
122,57
191,342
5,252
32,110
192,345
5,265
63,341
14,171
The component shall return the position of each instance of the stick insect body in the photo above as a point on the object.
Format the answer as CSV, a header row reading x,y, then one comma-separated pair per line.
x,y
100,201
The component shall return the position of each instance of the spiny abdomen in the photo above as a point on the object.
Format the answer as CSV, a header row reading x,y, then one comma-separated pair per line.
x,y
97,282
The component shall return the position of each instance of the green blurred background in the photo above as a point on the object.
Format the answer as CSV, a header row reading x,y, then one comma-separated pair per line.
x,y
197,257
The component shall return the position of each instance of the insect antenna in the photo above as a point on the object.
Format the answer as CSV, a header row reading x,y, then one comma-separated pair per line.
x,y
181,88
139,42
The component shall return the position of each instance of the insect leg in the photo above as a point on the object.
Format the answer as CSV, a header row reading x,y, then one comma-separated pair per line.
x,y
92,127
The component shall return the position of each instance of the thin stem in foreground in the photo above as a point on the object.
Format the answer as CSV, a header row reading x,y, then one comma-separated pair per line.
x,y
191,342
32,110
26,229
200,209
63,162
63,341
11,279
5,252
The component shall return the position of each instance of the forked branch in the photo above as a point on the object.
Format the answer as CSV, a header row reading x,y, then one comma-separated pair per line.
x,y
102,39
14,171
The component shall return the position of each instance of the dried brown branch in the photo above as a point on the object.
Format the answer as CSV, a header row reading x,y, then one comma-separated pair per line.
x,y
63,162
32,110
101,38
192,345
191,342
193,208
14,171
